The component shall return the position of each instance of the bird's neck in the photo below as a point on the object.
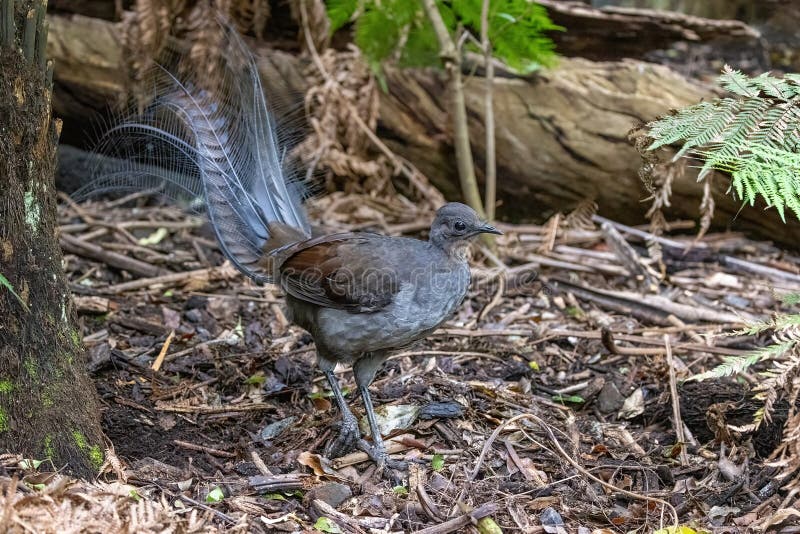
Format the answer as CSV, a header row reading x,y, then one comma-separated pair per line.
x,y
454,250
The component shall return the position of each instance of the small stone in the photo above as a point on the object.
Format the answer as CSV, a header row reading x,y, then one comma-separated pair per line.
x,y
332,493
610,399
438,482
552,522
441,410
273,430
194,315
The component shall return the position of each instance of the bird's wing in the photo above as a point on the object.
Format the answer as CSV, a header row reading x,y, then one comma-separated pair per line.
x,y
349,271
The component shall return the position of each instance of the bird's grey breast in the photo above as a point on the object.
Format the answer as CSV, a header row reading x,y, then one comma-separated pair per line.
x,y
430,292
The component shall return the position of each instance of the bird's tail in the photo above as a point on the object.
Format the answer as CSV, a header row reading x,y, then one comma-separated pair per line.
x,y
209,138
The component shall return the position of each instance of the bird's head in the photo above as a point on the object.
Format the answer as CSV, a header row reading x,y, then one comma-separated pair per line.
x,y
455,226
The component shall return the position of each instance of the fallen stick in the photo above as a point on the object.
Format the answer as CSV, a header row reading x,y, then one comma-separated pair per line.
x,y
79,247
460,522
201,448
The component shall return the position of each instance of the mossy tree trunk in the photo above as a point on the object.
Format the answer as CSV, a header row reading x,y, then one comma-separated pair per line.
x,y
48,405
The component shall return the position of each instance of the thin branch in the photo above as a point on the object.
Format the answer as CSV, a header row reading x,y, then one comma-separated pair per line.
x,y
451,57
490,194
676,403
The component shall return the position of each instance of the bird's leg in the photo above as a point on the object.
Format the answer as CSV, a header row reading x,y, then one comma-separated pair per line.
x,y
376,451
364,370
349,434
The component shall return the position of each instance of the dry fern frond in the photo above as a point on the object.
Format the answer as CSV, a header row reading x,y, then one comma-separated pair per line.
x,y
658,175
150,23
249,15
580,218
550,233
67,506
337,144
706,208
318,25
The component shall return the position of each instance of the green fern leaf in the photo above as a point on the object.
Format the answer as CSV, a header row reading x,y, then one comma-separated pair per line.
x,y
733,365
340,12
755,138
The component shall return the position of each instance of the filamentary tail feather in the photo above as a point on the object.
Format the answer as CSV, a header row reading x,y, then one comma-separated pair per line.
x,y
208,138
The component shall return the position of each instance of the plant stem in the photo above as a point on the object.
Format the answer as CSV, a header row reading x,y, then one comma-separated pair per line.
x,y
452,62
490,194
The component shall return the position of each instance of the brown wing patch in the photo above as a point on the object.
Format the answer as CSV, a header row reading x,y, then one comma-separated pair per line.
x,y
343,272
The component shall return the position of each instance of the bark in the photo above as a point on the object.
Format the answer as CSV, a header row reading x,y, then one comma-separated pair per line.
x,y
48,405
613,33
561,135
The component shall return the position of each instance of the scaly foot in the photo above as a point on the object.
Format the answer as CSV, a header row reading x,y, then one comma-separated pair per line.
x,y
347,439
378,454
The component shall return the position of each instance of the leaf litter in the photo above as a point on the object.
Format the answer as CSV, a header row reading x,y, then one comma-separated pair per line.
x,y
543,404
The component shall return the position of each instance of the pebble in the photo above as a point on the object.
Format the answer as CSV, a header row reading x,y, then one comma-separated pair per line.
x,y
332,493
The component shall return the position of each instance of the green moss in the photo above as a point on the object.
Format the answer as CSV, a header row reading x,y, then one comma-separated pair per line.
x,y
49,451
76,338
96,457
94,452
6,386
47,399
79,440
3,421
30,368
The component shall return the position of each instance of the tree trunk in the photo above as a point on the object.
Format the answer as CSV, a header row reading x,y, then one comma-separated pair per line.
x,y
48,405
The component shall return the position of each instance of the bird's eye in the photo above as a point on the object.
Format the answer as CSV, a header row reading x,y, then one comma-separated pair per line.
x,y
460,226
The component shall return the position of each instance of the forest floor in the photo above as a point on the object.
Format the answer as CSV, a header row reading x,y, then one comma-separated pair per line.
x,y
544,405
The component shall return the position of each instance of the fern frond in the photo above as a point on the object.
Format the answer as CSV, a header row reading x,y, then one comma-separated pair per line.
x,y
791,299
775,380
754,136
734,365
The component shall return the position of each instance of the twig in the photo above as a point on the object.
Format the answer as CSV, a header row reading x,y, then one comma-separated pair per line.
x,y
83,248
676,403
628,257
462,521
569,459
260,465
490,193
496,299
280,482
201,448
171,278
645,235
452,64
225,517
652,308
163,353
253,407
607,338
392,447
358,523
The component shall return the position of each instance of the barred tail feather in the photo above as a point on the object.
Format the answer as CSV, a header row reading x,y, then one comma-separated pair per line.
x,y
208,137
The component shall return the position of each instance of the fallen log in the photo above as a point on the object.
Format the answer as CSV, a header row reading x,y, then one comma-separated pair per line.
x,y
561,135
613,33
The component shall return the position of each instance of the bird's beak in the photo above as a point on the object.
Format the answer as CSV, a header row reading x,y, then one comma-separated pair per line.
x,y
489,229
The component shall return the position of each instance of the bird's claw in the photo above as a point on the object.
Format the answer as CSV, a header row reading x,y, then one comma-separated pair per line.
x,y
346,441
378,454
